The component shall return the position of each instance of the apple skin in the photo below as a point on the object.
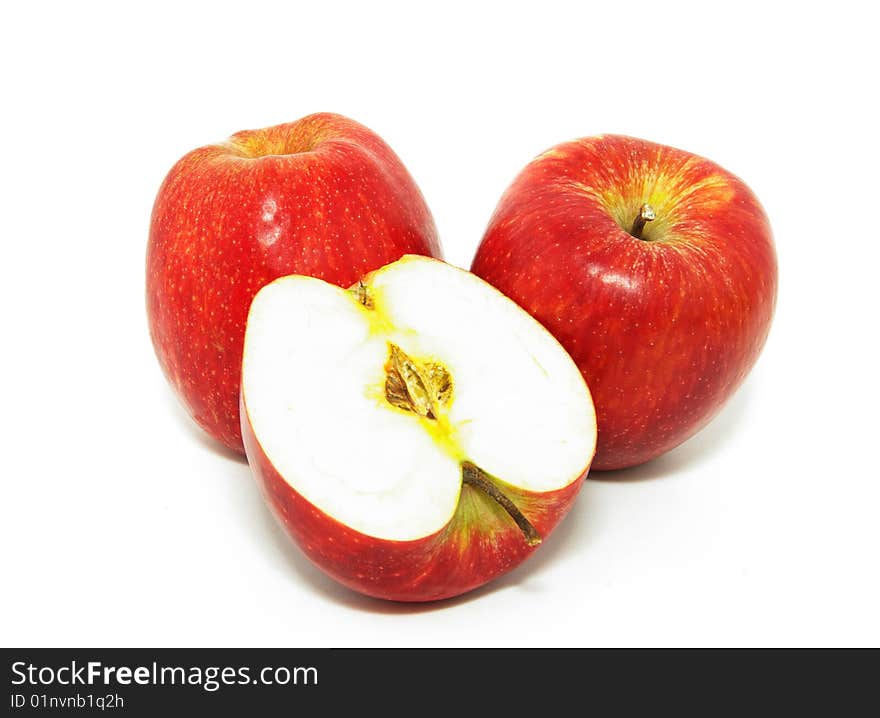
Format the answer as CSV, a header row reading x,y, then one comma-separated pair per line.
x,y
322,196
665,330
459,558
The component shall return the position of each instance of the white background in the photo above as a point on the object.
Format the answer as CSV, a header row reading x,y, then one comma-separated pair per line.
x,y
121,524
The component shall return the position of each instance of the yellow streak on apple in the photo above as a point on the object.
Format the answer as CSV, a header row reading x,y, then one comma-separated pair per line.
x,y
440,428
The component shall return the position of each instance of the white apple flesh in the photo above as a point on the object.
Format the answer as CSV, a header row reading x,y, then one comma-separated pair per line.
x,y
400,426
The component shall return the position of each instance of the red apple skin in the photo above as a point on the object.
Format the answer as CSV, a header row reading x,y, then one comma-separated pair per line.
x,y
664,330
322,196
459,558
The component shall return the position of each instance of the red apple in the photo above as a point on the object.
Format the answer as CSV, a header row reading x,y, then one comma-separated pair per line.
x,y
417,435
653,267
323,196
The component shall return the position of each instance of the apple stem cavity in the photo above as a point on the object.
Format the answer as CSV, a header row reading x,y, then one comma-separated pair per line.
x,y
473,475
646,214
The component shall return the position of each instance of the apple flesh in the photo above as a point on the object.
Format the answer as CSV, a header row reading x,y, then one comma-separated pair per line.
x,y
418,434
323,196
653,267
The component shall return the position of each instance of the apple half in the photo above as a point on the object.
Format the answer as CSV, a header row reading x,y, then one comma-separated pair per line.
x,y
417,434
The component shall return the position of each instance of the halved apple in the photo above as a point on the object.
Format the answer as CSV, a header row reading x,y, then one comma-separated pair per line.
x,y
418,434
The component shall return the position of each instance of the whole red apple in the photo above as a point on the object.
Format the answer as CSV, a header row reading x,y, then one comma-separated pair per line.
x,y
322,196
653,267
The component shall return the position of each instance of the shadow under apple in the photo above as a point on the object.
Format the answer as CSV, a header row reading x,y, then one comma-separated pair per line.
x,y
705,442
196,432
577,526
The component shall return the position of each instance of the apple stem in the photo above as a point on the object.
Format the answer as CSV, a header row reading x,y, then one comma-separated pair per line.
x,y
646,214
473,475
361,294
